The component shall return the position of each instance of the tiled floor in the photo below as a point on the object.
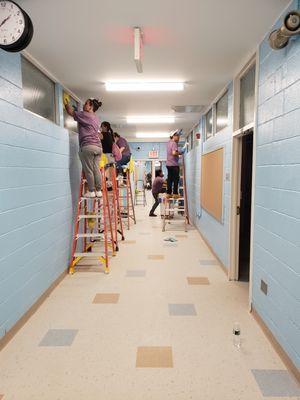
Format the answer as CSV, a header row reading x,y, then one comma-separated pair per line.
x,y
152,329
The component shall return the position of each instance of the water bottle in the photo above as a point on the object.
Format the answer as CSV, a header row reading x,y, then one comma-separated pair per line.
x,y
237,335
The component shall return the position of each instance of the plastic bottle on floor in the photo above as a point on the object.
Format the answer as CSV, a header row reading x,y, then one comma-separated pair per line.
x,y
237,335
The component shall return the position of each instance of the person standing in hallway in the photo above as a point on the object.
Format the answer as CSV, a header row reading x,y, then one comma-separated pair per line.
x,y
89,143
124,149
157,188
172,164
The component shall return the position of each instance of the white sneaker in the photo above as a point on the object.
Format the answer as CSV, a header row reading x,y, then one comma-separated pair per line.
x,y
99,193
90,195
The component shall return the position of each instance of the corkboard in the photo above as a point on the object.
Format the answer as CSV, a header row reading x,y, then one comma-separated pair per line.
x,y
212,183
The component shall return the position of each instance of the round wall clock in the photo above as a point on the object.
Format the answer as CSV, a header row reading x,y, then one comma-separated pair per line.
x,y
16,28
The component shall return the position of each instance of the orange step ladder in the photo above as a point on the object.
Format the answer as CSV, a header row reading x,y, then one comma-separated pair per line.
x,y
177,204
126,200
93,224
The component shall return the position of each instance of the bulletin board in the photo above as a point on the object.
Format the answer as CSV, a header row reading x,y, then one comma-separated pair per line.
x,y
212,183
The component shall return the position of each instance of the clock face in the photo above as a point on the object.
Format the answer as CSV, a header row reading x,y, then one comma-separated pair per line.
x,y
12,23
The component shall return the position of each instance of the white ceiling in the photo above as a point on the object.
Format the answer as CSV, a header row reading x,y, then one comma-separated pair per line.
x,y
202,42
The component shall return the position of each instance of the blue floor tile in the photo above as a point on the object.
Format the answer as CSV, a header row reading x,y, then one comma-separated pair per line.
x,y
276,383
182,309
59,337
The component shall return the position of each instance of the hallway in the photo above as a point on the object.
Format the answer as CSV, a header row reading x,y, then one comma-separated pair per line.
x,y
93,353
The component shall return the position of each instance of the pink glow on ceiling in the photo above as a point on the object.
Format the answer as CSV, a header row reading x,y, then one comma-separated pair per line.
x,y
151,35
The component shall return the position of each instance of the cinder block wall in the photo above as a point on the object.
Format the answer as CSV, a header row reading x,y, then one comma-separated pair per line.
x,y
215,232
140,150
277,199
39,169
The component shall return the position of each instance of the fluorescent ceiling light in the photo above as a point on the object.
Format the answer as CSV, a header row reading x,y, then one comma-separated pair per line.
x,y
144,86
152,135
150,119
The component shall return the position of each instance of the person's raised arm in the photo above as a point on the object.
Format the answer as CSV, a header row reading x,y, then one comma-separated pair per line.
x,y
69,109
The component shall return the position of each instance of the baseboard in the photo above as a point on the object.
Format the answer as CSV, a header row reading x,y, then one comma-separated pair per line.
x,y
22,321
276,345
224,269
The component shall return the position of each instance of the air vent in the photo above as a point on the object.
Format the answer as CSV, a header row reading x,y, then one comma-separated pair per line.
x,y
264,287
187,109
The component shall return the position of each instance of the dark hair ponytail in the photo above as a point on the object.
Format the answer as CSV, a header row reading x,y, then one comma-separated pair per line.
x,y
108,127
95,104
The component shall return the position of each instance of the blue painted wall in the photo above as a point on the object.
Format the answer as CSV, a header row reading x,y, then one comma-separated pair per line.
x,y
276,257
38,170
277,199
215,232
145,147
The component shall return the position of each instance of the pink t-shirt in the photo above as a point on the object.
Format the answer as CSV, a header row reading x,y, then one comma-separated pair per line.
x,y
172,161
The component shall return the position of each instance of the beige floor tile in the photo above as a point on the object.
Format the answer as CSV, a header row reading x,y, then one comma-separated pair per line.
x,y
154,357
198,280
156,257
106,298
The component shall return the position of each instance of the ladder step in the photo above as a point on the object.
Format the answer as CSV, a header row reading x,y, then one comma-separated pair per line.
x,y
88,235
88,254
90,198
90,216
177,199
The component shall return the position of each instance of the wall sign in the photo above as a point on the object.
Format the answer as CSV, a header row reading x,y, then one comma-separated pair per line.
x,y
153,154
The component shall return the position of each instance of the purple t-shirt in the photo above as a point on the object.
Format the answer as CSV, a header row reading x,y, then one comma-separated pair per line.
x,y
123,143
172,161
88,127
157,185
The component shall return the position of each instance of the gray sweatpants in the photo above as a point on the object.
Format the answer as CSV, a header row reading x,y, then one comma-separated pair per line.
x,y
90,157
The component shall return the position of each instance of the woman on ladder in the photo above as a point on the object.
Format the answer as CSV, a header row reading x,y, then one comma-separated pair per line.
x,y
107,140
89,142
173,154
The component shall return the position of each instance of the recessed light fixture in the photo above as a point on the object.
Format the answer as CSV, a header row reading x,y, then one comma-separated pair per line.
x,y
152,135
142,86
150,119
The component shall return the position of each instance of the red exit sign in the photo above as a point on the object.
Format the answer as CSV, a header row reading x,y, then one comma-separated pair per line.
x,y
153,154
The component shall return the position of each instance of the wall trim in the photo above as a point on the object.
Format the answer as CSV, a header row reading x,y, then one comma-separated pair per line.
x,y
32,310
276,345
222,266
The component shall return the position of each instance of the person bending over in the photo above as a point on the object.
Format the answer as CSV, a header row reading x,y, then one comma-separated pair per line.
x,y
124,149
89,143
172,164
157,188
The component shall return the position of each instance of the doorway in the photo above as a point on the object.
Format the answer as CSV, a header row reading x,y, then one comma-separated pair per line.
x,y
244,208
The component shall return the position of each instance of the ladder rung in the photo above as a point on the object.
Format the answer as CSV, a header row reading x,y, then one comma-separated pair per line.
x,y
87,235
90,216
90,198
177,199
88,254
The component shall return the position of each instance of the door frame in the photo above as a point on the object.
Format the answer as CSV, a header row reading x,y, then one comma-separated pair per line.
x,y
236,175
